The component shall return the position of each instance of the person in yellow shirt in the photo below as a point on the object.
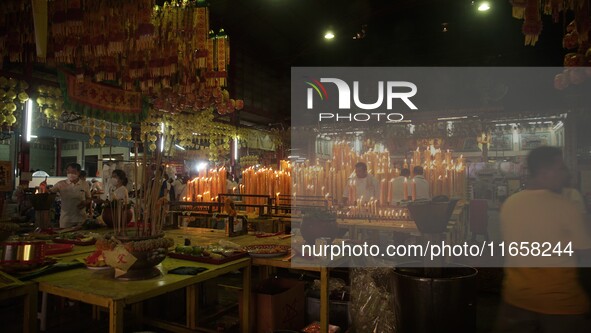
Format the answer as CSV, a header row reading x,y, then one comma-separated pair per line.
x,y
574,195
543,294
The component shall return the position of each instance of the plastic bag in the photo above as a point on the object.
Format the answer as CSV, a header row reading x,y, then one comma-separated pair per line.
x,y
372,300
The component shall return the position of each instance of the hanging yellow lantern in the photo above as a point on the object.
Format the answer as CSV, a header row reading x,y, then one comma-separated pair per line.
x,y
91,140
11,119
2,118
41,101
11,94
23,97
102,142
10,107
58,113
48,112
152,146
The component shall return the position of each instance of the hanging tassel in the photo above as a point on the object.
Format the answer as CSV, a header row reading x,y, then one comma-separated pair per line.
x,y
532,24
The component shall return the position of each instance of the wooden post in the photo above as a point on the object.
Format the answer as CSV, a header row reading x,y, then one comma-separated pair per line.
x,y
324,300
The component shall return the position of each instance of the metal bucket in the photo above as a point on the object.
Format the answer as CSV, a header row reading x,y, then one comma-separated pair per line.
x,y
446,303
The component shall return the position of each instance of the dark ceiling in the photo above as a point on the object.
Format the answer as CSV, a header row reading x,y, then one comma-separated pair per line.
x,y
285,33
399,33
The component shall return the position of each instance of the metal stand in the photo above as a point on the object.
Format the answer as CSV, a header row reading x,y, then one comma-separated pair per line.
x,y
42,219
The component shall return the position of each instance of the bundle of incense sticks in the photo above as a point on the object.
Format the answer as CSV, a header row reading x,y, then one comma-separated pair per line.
x,y
151,207
119,216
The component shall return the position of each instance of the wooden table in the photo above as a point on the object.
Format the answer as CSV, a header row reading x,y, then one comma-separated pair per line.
x,y
100,289
28,291
200,236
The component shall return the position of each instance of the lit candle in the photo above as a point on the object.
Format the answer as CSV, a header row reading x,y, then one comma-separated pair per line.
x,y
405,189
383,192
390,190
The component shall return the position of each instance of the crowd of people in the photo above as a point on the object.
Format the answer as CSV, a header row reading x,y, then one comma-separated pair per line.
x,y
81,199
367,186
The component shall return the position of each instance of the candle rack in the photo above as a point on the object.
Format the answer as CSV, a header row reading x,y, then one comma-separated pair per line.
x,y
383,214
263,204
289,204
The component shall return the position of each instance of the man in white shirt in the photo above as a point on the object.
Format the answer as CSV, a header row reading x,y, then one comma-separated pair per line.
x,y
75,197
422,184
179,187
398,186
366,186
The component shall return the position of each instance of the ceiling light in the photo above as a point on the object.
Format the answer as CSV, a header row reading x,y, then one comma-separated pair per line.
x,y
329,35
483,6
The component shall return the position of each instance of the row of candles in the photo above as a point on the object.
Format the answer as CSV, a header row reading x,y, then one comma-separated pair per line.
x,y
266,181
208,187
330,178
370,211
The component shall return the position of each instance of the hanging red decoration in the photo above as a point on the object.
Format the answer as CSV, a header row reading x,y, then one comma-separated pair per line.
x,y
532,23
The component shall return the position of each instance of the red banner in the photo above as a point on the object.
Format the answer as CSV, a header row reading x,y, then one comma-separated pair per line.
x,y
103,97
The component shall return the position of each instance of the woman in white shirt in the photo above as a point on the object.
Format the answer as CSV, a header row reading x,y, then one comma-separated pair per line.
x,y
118,188
117,194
